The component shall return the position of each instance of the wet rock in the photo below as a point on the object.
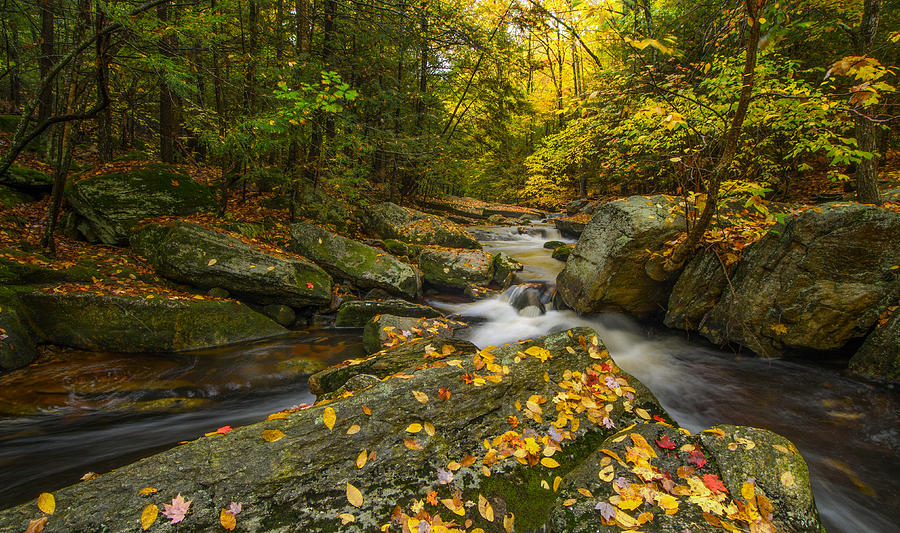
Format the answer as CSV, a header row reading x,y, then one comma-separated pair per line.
x,y
112,204
504,266
575,205
355,313
396,247
391,221
435,425
388,362
513,211
464,206
553,245
17,348
697,290
282,314
879,356
562,253
820,282
218,292
455,269
362,265
572,226
119,323
606,270
206,258
388,330
32,268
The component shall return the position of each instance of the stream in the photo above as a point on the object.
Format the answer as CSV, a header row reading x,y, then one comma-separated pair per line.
x,y
77,412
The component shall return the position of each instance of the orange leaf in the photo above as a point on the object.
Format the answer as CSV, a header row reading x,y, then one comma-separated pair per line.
x,y
148,516
36,526
227,519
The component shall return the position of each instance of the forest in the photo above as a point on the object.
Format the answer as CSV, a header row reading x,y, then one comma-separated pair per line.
x,y
435,265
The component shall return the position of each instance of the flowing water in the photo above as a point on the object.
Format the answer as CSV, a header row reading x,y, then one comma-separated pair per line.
x,y
75,412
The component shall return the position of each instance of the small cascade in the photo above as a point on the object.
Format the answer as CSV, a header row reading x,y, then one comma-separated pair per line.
x,y
531,299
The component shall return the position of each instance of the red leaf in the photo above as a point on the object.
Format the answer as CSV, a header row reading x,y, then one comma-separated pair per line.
x,y
309,285
666,443
697,458
223,430
713,483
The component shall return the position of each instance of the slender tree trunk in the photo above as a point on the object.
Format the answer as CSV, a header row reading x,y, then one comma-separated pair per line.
x,y
686,248
867,169
46,59
104,126
423,67
11,33
167,120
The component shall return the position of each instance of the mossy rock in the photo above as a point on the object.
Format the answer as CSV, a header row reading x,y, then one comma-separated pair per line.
x,y
17,347
455,268
112,204
205,258
28,180
562,253
355,313
697,290
503,268
282,314
553,245
391,221
362,265
134,324
32,268
386,331
11,198
397,247
8,123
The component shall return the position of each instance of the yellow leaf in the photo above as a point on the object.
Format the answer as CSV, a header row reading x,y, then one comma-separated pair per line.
x,y
748,491
607,473
354,496
642,413
420,396
412,444
346,518
146,490
329,418
414,428
280,415
780,329
429,428
586,493
485,509
544,484
272,435
366,410
353,430
569,502
549,462
46,503
361,459
148,516
668,503
227,519
509,522
787,478
556,481
211,262
718,432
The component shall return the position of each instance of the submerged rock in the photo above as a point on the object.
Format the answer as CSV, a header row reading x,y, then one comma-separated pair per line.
x,y
820,282
112,204
478,438
562,253
607,269
362,265
118,323
355,313
391,221
504,268
455,268
879,356
206,258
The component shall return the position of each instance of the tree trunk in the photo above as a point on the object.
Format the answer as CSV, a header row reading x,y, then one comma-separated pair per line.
x,y
46,59
104,127
686,248
867,169
167,120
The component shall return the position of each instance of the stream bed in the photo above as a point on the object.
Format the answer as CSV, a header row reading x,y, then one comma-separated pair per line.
x,y
77,412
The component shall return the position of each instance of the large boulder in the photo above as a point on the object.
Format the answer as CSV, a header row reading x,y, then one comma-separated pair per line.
x,y
387,331
478,438
206,258
354,261
141,323
10,198
17,347
697,290
111,204
28,180
391,221
879,356
572,226
815,285
355,313
504,268
455,268
607,269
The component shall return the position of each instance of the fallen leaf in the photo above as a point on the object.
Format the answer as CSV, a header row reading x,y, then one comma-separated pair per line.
x,y
485,509
329,418
177,510
429,428
420,396
412,444
272,435
346,518
444,393
36,526
89,476
227,519
148,516
584,492
569,502
787,478
414,428
353,430
366,410
361,459
549,462
46,503
556,481
146,491
354,496
212,262
509,522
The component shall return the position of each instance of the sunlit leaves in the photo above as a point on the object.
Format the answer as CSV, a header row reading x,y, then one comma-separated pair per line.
x,y
227,519
354,496
148,516
46,503
485,509
329,418
272,435
362,458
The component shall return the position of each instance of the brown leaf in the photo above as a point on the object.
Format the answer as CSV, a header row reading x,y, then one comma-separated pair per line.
x,y
36,526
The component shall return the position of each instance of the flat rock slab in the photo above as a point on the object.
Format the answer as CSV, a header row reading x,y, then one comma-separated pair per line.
x,y
355,313
207,258
478,439
362,265
118,323
391,221
455,268
386,331
114,203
